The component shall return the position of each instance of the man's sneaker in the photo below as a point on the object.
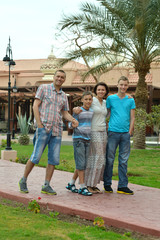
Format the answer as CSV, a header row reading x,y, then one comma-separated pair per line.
x,y
23,186
72,188
108,189
48,190
125,190
84,191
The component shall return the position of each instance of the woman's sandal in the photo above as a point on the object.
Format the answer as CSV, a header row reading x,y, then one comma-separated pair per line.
x,y
92,190
72,188
84,191
97,189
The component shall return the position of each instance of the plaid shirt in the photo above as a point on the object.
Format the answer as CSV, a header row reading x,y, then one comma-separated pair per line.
x,y
53,103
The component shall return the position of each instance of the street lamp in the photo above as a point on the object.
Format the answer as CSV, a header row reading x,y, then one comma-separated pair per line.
x,y
9,61
14,104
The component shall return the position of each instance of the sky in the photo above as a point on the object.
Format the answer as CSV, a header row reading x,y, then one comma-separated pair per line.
x,y
31,25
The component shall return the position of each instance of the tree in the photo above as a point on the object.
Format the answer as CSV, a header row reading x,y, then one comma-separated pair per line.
x,y
128,31
153,120
79,42
75,39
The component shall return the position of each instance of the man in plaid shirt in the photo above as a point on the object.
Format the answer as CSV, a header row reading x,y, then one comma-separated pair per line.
x,y
50,106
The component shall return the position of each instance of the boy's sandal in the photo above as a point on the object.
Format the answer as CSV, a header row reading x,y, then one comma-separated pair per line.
x,y
84,191
72,188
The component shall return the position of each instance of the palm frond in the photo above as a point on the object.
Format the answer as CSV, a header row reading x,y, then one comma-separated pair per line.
x,y
130,28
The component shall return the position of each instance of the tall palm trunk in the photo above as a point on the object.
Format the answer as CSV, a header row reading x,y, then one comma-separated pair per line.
x,y
139,133
141,98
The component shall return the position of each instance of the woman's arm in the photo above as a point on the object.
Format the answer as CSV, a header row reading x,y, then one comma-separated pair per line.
x,y
132,114
77,110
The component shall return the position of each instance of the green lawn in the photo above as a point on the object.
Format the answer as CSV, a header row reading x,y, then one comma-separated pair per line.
x,y
143,165
18,224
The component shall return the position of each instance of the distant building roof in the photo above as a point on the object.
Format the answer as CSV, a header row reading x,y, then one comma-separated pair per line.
x,y
133,78
88,80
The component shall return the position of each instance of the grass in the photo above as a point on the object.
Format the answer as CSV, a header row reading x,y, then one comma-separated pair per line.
x,y
18,224
143,165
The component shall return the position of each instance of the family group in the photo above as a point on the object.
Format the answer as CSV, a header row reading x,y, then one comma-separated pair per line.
x,y
95,140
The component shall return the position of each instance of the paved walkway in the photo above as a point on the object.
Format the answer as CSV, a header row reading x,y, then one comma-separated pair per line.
x,y
139,212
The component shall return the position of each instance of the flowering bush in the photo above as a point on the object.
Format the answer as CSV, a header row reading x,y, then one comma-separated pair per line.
x,y
33,206
98,221
22,159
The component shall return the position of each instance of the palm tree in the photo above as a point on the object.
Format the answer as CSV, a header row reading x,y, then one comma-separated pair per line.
x,y
128,29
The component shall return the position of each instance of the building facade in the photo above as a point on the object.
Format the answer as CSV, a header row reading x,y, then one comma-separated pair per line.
x,y
28,74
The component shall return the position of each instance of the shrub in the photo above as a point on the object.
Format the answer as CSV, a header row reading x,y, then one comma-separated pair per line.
x,y
22,159
24,128
98,221
33,206
24,140
3,143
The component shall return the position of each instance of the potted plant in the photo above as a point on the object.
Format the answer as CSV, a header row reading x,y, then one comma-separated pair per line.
x,y
24,125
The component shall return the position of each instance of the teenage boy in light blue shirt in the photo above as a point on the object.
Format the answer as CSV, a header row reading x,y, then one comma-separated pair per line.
x,y
122,114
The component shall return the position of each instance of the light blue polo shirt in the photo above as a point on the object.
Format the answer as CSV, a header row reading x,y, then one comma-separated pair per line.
x,y
120,112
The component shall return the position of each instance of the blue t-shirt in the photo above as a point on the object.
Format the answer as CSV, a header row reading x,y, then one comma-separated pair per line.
x,y
83,131
120,112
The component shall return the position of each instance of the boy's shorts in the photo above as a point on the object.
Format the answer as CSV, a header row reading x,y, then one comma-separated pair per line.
x,y
40,140
81,153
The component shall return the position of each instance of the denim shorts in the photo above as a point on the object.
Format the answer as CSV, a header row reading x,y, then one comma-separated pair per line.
x,y
40,141
81,153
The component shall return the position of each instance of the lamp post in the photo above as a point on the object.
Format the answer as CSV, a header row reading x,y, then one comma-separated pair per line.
x,y
14,104
9,61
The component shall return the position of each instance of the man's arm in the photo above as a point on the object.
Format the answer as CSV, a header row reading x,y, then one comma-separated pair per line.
x,y
36,104
67,116
132,118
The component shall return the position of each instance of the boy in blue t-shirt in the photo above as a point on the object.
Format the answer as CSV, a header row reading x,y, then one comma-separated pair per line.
x,y
81,143
122,113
